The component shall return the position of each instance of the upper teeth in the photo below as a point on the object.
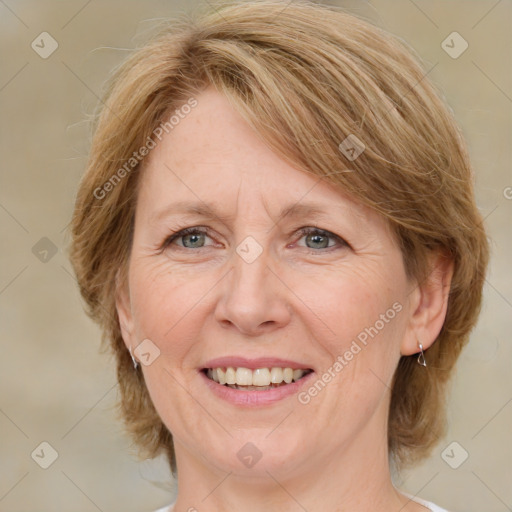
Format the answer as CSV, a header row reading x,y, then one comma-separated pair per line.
x,y
258,377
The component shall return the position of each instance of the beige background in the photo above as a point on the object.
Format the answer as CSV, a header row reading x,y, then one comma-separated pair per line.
x,y
57,387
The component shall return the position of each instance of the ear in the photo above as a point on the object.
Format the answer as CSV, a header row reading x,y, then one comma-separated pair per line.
x,y
428,302
124,312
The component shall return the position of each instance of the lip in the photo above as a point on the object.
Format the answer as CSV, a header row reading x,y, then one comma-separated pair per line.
x,y
253,364
249,399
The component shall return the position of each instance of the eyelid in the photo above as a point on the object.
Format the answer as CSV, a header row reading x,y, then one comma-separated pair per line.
x,y
324,232
179,232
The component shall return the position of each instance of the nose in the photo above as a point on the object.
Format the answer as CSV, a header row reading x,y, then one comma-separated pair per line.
x,y
254,299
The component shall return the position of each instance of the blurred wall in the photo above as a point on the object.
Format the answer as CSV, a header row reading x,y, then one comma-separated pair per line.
x,y
57,388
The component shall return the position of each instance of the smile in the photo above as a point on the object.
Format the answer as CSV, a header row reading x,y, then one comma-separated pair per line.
x,y
259,379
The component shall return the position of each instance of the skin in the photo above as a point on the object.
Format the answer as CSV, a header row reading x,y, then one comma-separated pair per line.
x,y
303,298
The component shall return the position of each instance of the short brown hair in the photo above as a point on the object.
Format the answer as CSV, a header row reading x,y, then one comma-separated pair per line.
x,y
305,76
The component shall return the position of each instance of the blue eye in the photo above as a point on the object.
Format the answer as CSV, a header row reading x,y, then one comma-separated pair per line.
x,y
320,238
194,238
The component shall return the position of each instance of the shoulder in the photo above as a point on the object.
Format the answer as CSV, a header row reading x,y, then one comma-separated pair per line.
x,y
434,508
431,506
168,508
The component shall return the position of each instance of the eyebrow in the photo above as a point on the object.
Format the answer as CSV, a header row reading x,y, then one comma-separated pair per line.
x,y
210,211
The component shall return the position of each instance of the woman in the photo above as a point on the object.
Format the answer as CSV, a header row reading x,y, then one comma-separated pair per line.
x,y
277,232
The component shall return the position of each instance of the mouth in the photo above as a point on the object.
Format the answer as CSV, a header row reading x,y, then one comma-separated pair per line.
x,y
259,379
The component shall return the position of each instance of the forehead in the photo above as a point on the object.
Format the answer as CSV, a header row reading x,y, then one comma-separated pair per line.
x,y
213,159
213,138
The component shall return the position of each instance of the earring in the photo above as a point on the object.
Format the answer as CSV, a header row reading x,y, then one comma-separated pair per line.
x,y
135,362
421,356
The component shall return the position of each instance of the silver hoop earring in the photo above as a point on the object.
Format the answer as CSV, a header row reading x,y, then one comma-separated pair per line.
x,y
135,363
421,356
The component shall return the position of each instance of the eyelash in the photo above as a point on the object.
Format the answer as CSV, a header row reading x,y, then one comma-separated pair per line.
x,y
302,232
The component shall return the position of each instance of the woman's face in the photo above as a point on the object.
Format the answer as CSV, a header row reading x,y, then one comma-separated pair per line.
x,y
247,284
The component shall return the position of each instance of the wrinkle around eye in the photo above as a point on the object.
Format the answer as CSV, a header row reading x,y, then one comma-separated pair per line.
x,y
340,243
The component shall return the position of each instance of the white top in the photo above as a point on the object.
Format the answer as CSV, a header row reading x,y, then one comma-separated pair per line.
x,y
431,506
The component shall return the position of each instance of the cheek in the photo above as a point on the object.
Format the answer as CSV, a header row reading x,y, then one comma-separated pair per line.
x,y
347,302
163,302
359,318
333,305
166,305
